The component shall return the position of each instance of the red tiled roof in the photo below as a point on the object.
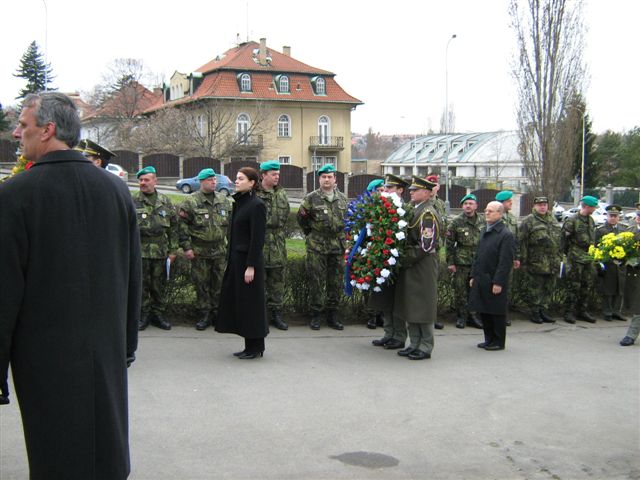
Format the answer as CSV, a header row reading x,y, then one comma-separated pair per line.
x,y
220,80
142,100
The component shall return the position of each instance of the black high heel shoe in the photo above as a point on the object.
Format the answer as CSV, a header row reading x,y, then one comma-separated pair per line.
x,y
250,355
237,354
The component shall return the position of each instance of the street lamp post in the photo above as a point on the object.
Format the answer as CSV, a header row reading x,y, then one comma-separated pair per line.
x,y
46,26
584,113
447,205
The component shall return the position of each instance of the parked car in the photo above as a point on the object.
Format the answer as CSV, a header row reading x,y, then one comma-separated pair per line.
x,y
223,184
558,210
599,215
118,171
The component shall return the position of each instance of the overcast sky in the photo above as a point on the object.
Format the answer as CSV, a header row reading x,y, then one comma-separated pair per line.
x,y
392,57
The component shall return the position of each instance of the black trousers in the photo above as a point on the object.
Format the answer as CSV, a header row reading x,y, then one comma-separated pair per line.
x,y
495,328
254,345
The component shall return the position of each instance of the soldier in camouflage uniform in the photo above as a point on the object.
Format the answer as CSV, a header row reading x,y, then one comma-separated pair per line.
x,y
611,281
321,217
578,234
159,241
539,239
463,235
203,221
275,251
510,221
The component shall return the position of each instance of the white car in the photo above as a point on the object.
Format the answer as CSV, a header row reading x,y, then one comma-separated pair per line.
x,y
599,215
118,171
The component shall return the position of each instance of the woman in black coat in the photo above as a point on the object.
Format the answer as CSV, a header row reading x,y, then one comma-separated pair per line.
x,y
490,277
243,308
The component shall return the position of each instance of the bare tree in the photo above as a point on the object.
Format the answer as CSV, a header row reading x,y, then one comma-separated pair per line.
x,y
448,120
549,72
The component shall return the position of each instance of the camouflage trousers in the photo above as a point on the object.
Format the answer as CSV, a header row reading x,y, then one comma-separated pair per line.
x,y
154,281
461,289
634,327
274,288
538,289
325,272
580,280
206,274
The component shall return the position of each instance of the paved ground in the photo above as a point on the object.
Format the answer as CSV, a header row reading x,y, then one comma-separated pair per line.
x,y
561,403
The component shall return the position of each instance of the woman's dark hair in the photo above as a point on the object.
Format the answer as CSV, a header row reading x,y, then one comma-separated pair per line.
x,y
251,174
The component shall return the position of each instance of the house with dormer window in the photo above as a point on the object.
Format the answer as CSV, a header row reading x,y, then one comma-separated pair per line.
x,y
263,104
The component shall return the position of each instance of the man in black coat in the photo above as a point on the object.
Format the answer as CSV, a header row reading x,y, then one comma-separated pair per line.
x,y
490,277
70,302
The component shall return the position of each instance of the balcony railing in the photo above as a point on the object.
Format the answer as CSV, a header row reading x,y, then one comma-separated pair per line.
x,y
326,143
247,142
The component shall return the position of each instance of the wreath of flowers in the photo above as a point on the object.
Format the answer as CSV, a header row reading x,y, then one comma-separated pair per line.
x,y
20,166
375,234
619,248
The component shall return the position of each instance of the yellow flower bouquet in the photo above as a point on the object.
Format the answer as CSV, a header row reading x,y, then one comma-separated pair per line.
x,y
620,248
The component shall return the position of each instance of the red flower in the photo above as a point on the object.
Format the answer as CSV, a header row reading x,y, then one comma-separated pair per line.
x,y
376,272
389,241
389,233
360,280
394,219
28,165
386,252
367,278
393,211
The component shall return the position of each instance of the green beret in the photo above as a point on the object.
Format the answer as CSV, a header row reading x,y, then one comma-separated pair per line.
x,y
328,168
589,201
269,165
421,183
614,209
146,170
504,195
373,184
391,180
469,196
541,200
206,173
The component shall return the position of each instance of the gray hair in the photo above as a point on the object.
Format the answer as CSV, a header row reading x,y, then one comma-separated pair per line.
x,y
59,109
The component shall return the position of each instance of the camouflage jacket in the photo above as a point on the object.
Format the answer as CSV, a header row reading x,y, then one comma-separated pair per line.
x,y
463,235
578,233
441,209
203,221
158,225
511,223
277,203
539,239
322,221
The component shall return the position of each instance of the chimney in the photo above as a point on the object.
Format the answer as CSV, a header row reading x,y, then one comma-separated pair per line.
x,y
286,50
262,54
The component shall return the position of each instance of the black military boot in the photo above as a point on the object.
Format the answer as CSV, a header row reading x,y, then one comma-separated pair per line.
x,y
460,323
333,322
278,322
474,321
438,325
159,321
587,317
371,322
535,317
569,317
203,323
546,318
143,322
315,321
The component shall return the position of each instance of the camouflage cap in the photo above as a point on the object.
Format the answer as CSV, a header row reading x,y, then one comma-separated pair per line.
x,y
269,165
145,171
206,173
504,195
469,196
541,199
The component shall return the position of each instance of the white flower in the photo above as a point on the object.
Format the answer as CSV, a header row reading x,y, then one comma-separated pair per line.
x,y
386,194
355,238
363,252
394,252
377,289
402,224
380,280
401,211
365,286
385,273
359,286
392,261
397,201
400,235
353,283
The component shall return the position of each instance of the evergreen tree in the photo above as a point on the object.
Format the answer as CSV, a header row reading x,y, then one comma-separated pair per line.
x,y
4,123
35,71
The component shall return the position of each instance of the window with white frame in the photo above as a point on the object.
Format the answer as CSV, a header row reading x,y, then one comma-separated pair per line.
x,y
323,130
320,86
245,82
283,84
242,127
319,161
284,126
284,159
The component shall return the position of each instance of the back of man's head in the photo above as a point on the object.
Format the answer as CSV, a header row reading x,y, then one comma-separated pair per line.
x,y
59,109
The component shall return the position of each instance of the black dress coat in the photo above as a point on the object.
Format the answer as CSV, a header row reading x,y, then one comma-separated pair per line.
x,y
69,309
242,305
492,264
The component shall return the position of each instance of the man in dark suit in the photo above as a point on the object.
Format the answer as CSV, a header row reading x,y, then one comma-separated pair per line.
x,y
70,303
490,277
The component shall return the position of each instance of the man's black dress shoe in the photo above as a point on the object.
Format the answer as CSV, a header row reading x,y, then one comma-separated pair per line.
x,y
405,352
438,325
237,354
315,323
380,342
459,322
203,323
482,345
617,316
419,355
492,348
393,344
627,341
160,322
371,323
250,355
